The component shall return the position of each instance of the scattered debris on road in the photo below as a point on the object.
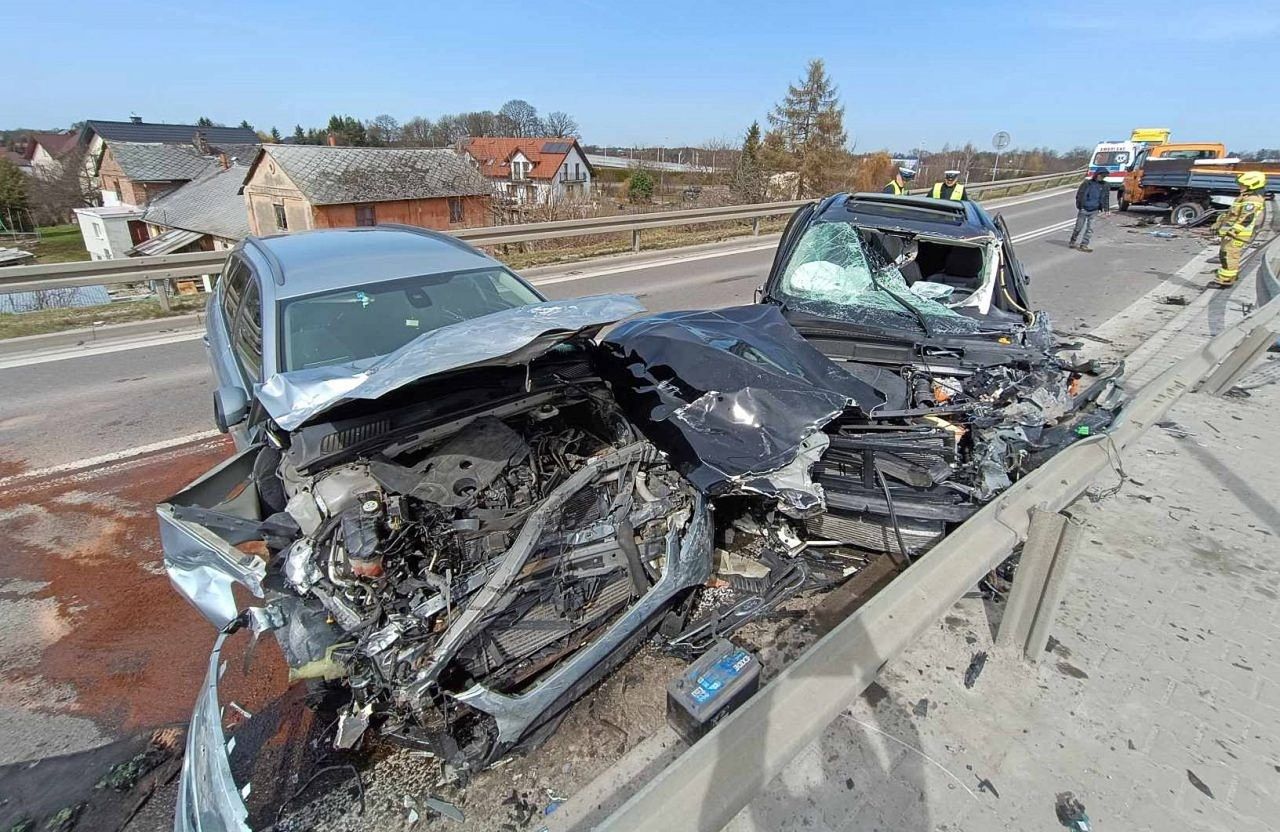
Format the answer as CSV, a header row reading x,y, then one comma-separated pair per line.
x,y
974,670
1200,785
1071,813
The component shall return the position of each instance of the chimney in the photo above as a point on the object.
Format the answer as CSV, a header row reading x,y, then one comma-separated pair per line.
x,y
225,161
200,143
135,119
333,140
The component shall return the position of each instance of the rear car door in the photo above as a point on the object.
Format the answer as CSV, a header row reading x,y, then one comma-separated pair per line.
x,y
224,306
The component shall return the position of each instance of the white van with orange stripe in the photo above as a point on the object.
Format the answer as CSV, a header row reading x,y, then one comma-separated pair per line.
x,y
1119,157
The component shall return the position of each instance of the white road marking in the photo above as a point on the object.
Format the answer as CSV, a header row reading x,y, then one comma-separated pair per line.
x,y
1042,232
63,353
106,459
635,267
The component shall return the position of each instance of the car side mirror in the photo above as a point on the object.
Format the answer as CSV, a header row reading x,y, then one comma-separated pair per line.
x,y
230,407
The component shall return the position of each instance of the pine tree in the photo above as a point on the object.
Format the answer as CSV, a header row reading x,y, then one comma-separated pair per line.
x,y
749,177
204,121
299,135
245,125
275,135
808,136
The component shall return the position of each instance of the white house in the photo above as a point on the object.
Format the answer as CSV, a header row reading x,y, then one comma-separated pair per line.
x,y
532,171
112,230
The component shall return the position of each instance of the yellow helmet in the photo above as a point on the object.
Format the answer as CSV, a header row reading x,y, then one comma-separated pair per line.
x,y
1252,180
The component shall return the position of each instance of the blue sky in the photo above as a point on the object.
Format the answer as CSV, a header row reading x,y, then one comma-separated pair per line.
x,y
1051,73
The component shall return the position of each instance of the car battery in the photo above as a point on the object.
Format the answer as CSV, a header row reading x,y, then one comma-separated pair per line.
x,y
711,688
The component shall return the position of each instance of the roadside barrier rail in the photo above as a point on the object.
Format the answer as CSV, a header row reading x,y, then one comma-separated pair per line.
x,y
167,267
708,784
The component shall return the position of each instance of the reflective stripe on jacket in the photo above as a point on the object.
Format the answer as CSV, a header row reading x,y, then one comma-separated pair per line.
x,y
957,192
894,188
1242,217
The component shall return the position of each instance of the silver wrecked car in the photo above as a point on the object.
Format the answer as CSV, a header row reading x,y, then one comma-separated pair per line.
x,y
464,533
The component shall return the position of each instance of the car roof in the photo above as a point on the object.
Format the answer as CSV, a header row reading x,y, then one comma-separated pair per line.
x,y
307,262
962,219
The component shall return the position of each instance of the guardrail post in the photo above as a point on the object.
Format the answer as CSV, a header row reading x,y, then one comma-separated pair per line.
x,y
635,239
1037,586
162,294
1055,587
755,227
1240,359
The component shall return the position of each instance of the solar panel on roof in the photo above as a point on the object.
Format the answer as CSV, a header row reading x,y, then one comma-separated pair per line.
x,y
557,147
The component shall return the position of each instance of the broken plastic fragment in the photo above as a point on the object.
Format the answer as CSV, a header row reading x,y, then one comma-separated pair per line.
x,y
351,726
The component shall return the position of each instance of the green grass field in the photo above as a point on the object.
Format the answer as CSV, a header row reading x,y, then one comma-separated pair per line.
x,y
60,244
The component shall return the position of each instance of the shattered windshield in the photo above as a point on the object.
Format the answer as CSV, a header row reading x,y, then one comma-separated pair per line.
x,y
838,272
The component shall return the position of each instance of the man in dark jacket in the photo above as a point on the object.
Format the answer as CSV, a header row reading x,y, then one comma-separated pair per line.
x,y
1093,196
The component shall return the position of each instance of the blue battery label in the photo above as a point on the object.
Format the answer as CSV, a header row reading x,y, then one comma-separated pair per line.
x,y
720,674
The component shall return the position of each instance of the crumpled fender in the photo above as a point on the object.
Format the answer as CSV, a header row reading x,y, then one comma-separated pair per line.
x,y
202,566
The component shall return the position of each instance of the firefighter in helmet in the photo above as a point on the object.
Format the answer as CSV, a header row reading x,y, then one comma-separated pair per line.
x,y
1236,225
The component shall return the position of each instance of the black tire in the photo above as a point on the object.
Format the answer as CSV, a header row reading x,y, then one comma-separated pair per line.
x,y
1186,213
265,475
1123,204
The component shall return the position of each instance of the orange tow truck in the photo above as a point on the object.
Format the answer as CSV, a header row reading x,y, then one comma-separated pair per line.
x,y
1133,192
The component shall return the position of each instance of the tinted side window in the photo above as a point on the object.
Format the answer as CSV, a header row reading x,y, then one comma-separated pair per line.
x,y
246,334
237,275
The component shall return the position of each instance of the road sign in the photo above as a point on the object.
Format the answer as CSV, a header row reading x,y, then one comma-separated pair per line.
x,y
999,141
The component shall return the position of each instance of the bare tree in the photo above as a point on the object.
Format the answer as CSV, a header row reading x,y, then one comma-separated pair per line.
x,y
520,118
384,129
417,132
560,123
54,194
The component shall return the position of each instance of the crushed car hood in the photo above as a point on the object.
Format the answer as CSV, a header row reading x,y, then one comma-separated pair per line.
x,y
513,336
736,396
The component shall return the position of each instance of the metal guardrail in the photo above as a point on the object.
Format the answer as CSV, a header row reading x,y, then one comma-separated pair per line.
x,y
707,785
170,266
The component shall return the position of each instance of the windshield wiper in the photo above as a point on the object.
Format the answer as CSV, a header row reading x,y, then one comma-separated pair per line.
x,y
919,316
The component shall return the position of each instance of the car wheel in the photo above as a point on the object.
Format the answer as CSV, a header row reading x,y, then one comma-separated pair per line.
x,y
1123,204
1186,213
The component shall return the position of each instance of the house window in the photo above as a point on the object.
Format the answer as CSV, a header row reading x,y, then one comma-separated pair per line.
x,y
455,209
366,215
97,231
577,170
519,170
282,222
119,195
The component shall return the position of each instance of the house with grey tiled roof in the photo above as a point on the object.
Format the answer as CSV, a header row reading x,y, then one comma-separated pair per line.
x,y
206,214
133,162
299,187
136,173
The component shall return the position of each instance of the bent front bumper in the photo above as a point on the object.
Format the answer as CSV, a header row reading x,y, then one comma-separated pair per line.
x,y
208,798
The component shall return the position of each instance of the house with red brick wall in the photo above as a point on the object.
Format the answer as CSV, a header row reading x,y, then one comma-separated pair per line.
x,y
301,187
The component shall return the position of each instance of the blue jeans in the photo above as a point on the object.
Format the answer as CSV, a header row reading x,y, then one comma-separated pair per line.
x,y
1084,226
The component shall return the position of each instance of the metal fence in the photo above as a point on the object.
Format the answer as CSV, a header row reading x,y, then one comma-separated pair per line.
x,y
164,268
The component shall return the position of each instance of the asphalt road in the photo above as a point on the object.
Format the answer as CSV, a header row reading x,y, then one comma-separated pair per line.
x,y
64,411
